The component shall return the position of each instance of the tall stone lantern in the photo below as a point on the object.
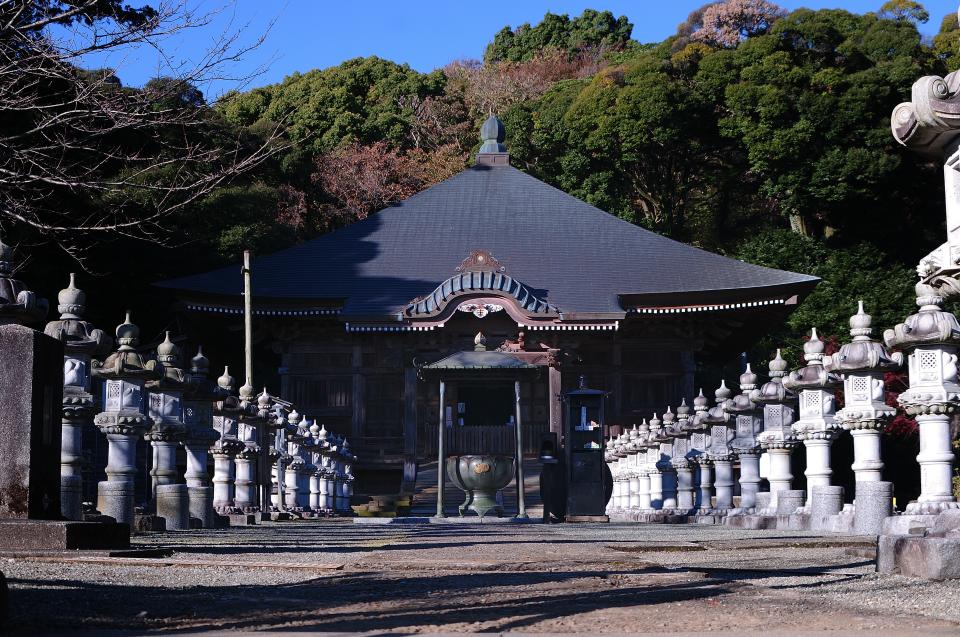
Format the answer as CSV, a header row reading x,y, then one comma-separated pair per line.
x,y
81,341
930,338
641,469
681,462
199,395
777,437
862,364
700,440
165,433
817,425
748,416
653,462
251,418
123,420
721,454
226,413
666,436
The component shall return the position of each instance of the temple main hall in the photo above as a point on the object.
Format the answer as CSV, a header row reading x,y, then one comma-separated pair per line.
x,y
494,255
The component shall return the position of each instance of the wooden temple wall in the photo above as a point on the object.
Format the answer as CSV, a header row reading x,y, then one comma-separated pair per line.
x,y
365,385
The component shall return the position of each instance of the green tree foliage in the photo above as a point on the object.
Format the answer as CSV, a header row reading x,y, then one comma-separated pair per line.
x,y
591,30
357,101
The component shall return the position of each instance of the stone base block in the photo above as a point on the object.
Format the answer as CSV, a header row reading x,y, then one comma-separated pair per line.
x,y
908,524
587,518
53,535
201,506
242,519
149,524
173,505
281,516
115,499
840,523
793,522
934,558
701,518
70,505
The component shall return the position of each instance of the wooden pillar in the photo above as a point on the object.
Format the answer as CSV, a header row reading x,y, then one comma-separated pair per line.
x,y
357,421
409,426
554,390
521,505
440,451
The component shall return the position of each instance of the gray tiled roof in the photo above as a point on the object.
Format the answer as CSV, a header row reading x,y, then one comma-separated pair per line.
x,y
571,254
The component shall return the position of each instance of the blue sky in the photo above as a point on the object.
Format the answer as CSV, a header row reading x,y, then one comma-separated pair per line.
x,y
308,34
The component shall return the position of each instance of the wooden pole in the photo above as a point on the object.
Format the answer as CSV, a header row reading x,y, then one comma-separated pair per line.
x,y
440,452
521,505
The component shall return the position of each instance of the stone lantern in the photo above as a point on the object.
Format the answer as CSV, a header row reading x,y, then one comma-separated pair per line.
x,y
291,475
816,427
930,338
123,420
862,364
326,475
81,341
641,469
171,499
305,444
252,416
777,437
665,438
199,394
653,461
619,472
346,490
700,440
226,413
681,462
720,452
748,417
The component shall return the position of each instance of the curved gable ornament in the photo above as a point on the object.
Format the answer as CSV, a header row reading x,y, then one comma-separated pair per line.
x,y
930,121
480,274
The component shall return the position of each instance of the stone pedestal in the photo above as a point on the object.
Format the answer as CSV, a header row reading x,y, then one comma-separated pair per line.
x,y
31,392
223,475
669,490
245,485
818,472
723,483
706,486
874,504
656,490
936,465
52,535
867,465
685,494
290,486
173,505
749,479
780,477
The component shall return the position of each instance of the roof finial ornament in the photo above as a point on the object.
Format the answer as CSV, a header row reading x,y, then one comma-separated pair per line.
x,y
492,152
480,342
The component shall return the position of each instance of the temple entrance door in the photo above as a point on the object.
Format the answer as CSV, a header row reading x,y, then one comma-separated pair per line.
x,y
489,405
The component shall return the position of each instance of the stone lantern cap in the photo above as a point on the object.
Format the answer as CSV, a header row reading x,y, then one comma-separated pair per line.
x,y
930,326
199,385
172,377
718,414
814,374
773,391
863,353
127,362
79,337
741,403
18,304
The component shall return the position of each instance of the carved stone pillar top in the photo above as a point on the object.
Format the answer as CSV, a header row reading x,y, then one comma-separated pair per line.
x,y
778,407
746,414
815,386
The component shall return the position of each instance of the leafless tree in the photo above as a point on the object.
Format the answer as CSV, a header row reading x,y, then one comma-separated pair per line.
x,y
83,158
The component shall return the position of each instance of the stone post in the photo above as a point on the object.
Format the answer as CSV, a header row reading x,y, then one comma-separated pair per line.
x,y
930,339
653,462
701,441
123,420
777,437
749,422
292,467
81,341
816,427
252,417
862,364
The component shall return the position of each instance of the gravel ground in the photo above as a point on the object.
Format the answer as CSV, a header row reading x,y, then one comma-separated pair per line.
x,y
336,576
